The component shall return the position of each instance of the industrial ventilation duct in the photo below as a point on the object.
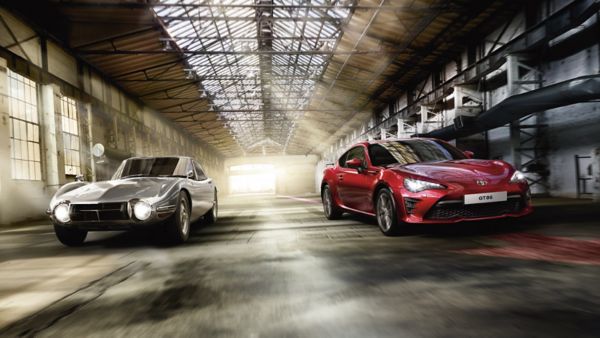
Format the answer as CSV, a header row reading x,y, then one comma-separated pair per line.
x,y
581,89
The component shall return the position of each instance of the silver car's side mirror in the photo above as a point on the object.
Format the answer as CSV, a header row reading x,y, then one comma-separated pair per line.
x,y
190,174
80,178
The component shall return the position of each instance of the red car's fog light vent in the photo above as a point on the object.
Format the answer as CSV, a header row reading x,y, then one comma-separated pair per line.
x,y
410,204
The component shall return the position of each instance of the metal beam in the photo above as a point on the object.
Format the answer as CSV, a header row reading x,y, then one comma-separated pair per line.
x,y
119,36
260,110
229,52
133,5
247,18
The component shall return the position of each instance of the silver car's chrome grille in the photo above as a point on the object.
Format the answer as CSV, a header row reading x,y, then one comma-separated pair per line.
x,y
99,212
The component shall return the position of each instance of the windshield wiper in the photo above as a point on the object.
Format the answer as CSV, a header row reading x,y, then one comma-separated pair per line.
x,y
172,176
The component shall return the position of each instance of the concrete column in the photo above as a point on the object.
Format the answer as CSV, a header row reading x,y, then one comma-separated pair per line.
x,y
596,174
5,171
49,134
512,76
90,122
515,143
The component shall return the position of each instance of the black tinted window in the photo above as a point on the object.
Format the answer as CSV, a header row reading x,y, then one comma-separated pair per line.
x,y
342,160
380,156
200,175
152,167
356,152
190,169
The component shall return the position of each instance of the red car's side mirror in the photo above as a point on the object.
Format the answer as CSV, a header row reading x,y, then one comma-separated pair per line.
x,y
469,154
354,163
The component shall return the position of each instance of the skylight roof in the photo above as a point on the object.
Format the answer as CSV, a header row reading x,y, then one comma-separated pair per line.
x,y
258,61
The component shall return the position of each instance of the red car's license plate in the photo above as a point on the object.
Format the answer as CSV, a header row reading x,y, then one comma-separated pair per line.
x,y
488,197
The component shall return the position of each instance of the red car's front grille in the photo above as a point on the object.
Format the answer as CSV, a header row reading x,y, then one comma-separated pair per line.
x,y
459,210
99,212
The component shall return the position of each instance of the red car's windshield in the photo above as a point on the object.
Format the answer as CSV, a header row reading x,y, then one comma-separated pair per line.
x,y
412,151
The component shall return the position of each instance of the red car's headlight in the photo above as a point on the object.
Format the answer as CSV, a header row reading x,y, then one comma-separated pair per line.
x,y
413,185
518,177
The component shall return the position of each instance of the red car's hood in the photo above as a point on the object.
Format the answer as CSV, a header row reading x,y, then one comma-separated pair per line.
x,y
460,171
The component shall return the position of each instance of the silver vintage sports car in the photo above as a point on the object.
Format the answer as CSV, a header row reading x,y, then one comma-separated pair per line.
x,y
162,193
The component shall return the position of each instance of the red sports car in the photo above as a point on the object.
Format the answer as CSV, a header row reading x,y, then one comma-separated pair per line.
x,y
421,181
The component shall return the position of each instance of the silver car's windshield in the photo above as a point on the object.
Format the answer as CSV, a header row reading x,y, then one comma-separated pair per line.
x,y
152,167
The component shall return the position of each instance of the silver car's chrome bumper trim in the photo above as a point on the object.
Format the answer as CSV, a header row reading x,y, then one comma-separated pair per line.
x,y
165,209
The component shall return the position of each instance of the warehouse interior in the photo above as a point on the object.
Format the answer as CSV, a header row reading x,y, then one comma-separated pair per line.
x,y
265,95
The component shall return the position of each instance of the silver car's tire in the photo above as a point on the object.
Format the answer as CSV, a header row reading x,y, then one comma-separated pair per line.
x,y
177,226
211,216
70,236
330,208
386,212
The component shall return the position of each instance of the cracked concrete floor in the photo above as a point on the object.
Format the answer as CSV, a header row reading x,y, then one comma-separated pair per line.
x,y
274,267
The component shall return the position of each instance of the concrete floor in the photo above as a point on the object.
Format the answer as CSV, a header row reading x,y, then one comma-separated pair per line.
x,y
274,267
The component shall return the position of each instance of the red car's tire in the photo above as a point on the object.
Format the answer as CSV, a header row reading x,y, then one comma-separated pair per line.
x,y
330,208
386,212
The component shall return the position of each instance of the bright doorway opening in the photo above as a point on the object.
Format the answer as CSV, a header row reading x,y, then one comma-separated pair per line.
x,y
252,179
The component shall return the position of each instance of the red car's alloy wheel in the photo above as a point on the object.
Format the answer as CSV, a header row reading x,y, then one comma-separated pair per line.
x,y
329,208
386,212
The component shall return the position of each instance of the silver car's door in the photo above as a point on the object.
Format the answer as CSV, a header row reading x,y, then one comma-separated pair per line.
x,y
203,192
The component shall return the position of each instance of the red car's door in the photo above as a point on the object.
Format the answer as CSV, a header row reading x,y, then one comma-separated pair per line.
x,y
354,185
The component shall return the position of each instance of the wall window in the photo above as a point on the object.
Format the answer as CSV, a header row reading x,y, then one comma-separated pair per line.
x,y
70,130
24,128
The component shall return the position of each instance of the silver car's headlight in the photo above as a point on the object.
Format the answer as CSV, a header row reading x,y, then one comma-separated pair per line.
x,y
142,210
518,177
413,185
61,212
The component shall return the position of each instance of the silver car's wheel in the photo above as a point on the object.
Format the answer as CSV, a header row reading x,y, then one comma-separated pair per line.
x,y
385,210
177,227
211,216
184,218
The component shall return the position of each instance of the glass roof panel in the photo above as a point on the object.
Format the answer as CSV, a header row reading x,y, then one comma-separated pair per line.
x,y
258,61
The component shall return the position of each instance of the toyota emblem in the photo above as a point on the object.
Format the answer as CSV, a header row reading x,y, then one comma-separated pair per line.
x,y
481,182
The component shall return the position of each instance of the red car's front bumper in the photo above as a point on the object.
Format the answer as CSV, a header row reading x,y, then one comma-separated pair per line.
x,y
447,206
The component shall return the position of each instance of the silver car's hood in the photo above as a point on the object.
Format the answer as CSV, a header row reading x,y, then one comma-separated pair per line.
x,y
120,190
